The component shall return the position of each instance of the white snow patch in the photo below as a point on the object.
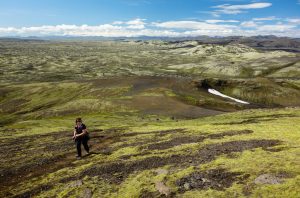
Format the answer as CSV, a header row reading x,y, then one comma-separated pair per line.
x,y
215,92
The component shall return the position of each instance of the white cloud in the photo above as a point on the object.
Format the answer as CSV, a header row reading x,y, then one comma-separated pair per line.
x,y
244,7
221,21
249,24
137,21
271,18
136,24
118,22
132,24
275,28
138,27
237,9
193,25
294,21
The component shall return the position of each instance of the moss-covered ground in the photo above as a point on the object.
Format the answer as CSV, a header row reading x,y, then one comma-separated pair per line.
x,y
130,154
152,134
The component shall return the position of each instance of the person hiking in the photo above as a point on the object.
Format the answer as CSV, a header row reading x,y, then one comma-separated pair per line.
x,y
81,136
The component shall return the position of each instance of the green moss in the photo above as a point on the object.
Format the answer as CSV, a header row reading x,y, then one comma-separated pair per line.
x,y
40,96
135,185
254,162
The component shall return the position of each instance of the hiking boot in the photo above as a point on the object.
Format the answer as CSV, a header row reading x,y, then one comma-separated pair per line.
x,y
78,157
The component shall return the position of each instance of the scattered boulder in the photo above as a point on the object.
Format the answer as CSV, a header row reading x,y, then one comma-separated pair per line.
x,y
162,188
75,183
217,179
87,193
161,171
268,179
187,186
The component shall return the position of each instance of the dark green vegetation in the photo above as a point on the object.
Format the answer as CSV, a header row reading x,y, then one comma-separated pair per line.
x,y
155,130
36,61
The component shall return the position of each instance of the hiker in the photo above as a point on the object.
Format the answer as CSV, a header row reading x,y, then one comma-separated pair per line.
x,y
81,136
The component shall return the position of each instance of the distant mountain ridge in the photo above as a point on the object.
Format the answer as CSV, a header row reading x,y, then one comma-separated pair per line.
x,y
269,42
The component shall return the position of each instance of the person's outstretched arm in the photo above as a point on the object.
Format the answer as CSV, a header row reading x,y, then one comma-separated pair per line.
x,y
74,134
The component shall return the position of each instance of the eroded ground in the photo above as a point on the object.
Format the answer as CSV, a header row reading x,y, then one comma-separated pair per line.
x,y
201,157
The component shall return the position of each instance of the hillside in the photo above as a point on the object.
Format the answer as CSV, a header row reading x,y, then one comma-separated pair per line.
x,y
157,129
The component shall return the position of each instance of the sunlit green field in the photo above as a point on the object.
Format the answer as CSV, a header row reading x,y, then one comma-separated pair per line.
x,y
155,130
131,155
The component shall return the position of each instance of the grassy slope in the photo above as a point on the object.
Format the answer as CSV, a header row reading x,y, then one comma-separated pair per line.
x,y
272,124
139,125
37,134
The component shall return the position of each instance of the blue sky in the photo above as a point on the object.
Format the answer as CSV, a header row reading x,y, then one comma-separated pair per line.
x,y
149,17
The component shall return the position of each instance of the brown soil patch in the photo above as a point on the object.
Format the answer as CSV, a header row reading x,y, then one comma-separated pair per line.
x,y
168,106
175,142
161,104
194,139
160,133
229,133
33,191
217,179
116,172
258,119
275,116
